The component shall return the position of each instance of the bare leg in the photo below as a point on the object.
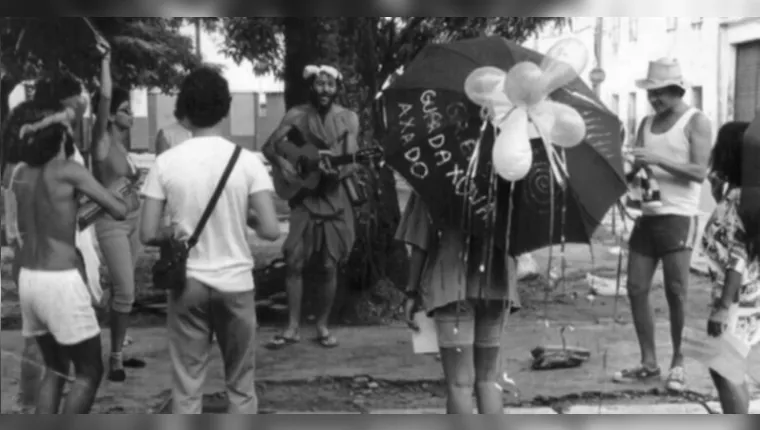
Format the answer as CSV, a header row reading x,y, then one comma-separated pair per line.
x,y
294,287
487,372
734,399
459,371
641,270
57,368
327,289
489,324
676,272
32,369
88,367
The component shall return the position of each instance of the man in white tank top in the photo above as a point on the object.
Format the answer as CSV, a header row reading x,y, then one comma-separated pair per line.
x,y
675,145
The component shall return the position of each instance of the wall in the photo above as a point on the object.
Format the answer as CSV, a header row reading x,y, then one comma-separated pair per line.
x,y
629,44
732,32
251,120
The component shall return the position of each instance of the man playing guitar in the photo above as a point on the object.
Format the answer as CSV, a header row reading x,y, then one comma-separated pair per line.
x,y
322,227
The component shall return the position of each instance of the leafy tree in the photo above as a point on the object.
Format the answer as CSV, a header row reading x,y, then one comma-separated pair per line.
x,y
147,52
367,50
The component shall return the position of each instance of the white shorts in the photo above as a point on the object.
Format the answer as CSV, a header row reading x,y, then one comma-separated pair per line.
x,y
59,303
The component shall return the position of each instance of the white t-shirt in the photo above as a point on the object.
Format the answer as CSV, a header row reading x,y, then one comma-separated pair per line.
x,y
185,177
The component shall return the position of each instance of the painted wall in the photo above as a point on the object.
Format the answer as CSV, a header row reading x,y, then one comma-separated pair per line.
x,y
253,117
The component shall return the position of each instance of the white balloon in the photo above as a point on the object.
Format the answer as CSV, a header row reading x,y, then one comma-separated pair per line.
x,y
569,127
483,84
512,154
564,62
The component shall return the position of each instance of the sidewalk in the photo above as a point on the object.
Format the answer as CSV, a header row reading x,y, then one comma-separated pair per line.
x,y
293,378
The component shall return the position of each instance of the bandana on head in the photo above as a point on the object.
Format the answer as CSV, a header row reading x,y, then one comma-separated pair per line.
x,y
312,70
64,117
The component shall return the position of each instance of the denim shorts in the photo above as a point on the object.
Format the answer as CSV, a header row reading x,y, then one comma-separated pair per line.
x,y
471,323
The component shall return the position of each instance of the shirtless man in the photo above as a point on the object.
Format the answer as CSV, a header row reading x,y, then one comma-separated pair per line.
x,y
56,305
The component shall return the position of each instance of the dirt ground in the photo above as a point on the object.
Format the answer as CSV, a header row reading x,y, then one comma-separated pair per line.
x,y
375,368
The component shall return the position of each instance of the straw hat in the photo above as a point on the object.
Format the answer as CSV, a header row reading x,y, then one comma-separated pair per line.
x,y
663,73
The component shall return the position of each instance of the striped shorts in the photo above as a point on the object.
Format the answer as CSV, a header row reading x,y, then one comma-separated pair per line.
x,y
658,235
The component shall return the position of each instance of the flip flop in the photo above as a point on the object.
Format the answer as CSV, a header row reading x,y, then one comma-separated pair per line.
x,y
280,341
326,340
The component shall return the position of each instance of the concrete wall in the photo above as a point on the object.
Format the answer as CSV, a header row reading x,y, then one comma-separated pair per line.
x,y
252,119
705,47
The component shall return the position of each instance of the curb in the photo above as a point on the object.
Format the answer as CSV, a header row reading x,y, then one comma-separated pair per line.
x,y
581,409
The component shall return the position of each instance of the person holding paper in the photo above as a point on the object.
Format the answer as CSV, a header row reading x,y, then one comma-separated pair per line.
x,y
469,306
733,265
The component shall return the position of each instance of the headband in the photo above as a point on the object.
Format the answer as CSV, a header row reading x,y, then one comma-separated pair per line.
x,y
312,70
64,118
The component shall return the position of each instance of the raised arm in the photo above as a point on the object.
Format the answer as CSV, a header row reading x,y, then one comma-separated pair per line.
x,y
101,144
83,181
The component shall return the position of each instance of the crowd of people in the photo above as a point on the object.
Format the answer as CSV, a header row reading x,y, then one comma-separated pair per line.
x,y
45,177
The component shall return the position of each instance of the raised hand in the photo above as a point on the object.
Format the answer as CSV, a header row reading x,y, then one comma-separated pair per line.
x,y
103,47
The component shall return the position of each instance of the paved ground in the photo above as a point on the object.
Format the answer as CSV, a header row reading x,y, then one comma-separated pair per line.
x,y
383,355
374,370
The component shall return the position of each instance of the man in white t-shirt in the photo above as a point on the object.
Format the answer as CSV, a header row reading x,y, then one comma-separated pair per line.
x,y
218,297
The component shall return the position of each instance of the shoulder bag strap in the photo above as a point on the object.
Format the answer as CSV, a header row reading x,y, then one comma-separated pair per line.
x,y
214,197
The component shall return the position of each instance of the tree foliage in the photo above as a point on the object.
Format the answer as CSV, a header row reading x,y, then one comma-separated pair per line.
x,y
396,40
367,50
147,52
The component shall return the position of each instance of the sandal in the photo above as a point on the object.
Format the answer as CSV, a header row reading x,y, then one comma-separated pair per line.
x,y
326,340
281,341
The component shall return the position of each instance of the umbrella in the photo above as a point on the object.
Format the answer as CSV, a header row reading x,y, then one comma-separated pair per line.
x,y
432,129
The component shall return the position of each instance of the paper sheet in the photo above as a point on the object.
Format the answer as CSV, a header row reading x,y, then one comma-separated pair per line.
x,y
424,341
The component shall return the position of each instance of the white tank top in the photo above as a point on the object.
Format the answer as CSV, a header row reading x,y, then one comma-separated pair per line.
x,y
679,196
176,134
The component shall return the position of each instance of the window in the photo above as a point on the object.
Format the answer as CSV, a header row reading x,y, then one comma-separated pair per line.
x,y
615,105
615,34
696,97
633,29
632,117
671,23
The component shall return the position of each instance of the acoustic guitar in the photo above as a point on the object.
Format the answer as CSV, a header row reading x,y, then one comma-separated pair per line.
x,y
305,157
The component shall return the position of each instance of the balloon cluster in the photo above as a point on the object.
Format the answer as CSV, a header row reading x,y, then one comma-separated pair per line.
x,y
512,99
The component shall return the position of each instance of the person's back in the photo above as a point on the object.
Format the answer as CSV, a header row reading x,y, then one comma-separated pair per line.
x,y
47,209
216,300
222,258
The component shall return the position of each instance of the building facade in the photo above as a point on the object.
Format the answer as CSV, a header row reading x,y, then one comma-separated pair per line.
x,y
720,59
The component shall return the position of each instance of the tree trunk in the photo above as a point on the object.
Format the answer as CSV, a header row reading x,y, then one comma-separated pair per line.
x,y
349,45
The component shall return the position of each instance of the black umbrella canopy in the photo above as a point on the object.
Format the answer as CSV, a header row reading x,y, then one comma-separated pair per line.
x,y
432,91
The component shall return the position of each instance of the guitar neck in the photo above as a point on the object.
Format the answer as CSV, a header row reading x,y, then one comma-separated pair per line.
x,y
339,160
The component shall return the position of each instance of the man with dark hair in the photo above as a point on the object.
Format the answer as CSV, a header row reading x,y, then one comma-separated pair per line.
x,y
322,227
56,303
217,299
674,144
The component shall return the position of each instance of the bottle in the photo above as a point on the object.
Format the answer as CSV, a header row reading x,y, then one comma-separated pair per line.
x,y
651,188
